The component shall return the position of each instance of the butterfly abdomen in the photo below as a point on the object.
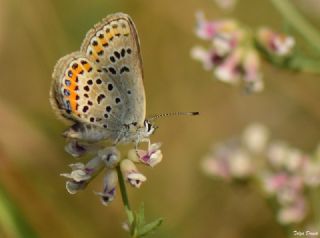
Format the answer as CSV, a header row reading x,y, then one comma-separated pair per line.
x,y
86,132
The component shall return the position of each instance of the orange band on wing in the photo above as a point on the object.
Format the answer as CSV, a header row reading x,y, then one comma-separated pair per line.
x,y
72,75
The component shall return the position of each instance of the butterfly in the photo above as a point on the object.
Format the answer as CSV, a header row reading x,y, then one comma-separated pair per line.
x,y
100,87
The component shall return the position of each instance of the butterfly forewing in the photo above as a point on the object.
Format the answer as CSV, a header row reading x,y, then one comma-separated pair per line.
x,y
113,45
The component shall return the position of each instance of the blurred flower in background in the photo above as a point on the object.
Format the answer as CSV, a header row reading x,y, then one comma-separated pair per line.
x,y
233,54
226,4
275,43
284,174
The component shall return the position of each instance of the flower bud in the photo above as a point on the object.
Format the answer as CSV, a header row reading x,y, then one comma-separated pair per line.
x,y
109,188
131,174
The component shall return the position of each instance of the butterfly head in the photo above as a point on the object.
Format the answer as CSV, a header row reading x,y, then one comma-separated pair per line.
x,y
149,128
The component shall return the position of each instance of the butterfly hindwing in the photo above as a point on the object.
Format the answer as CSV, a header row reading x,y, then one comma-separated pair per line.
x,y
113,45
82,93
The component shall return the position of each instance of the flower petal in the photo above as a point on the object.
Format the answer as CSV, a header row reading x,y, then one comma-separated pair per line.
x,y
110,156
109,190
131,173
75,149
73,187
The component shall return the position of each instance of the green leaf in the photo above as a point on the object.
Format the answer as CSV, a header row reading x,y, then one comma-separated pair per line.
x,y
140,216
130,216
134,228
150,227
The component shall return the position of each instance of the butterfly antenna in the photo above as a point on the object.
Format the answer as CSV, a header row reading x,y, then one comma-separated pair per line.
x,y
169,114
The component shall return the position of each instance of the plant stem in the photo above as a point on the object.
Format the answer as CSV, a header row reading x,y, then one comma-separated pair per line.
x,y
298,22
124,196
12,219
304,64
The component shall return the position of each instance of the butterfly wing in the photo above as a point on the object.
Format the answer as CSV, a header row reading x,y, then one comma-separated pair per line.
x,y
80,92
113,45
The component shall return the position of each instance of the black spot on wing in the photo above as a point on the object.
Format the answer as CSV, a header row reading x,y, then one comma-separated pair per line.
x,y
124,69
112,70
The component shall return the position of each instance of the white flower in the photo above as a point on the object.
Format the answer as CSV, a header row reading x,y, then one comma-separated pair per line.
x,y
131,173
110,156
226,4
224,43
75,149
229,71
273,183
78,175
283,45
205,29
291,190
252,74
73,187
255,137
209,58
152,157
109,190
277,154
216,167
294,213
81,174
276,43
295,160
241,165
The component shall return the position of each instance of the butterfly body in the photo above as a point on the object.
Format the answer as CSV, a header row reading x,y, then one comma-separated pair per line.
x,y
100,88
126,134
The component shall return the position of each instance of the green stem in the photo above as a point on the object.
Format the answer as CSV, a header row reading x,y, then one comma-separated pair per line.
x,y
298,22
124,196
304,64
12,219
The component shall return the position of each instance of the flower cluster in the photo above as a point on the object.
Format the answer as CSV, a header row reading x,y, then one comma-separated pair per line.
x,y
275,43
233,55
109,159
284,173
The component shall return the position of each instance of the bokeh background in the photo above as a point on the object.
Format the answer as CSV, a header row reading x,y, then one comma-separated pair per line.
x,y
34,34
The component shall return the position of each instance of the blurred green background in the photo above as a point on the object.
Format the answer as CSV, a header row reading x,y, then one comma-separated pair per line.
x,y
34,34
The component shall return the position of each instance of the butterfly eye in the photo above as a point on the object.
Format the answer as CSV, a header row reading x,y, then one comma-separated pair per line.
x,y
148,126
